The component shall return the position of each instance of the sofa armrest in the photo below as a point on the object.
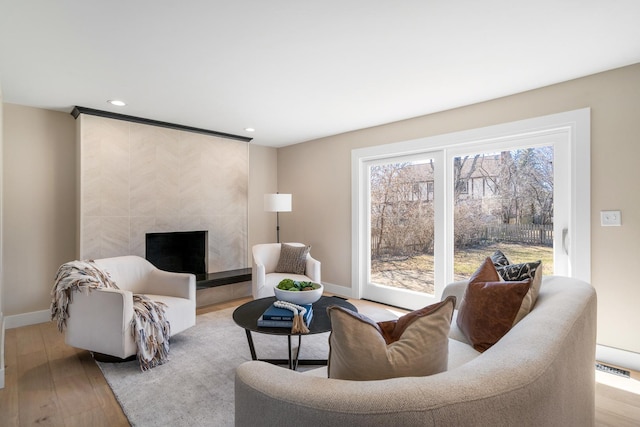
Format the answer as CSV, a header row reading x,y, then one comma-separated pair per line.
x,y
312,269
180,285
456,289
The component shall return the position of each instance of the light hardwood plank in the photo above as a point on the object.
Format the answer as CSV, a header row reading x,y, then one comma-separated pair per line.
x,y
107,400
94,418
29,340
9,394
75,395
36,394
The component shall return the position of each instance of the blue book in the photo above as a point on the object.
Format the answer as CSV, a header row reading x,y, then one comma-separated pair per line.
x,y
266,323
276,313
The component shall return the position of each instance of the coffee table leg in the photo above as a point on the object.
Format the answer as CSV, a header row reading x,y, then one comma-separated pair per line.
x,y
252,349
295,365
293,362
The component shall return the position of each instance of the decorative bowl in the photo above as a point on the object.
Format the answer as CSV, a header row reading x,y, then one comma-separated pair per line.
x,y
299,297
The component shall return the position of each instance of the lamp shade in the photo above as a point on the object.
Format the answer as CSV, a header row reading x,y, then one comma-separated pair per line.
x,y
277,202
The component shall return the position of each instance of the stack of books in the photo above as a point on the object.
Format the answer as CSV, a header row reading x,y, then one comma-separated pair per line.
x,y
275,317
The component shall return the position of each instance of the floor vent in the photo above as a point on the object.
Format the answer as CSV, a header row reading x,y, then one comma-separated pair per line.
x,y
612,370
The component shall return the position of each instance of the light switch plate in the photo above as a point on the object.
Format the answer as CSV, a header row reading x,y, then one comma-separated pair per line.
x,y
610,218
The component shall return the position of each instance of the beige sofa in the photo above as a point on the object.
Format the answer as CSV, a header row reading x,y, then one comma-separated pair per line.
x,y
540,374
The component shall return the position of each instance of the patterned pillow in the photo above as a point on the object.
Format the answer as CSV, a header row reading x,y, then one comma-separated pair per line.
x,y
293,259
489,306
499,259
527,270
416,344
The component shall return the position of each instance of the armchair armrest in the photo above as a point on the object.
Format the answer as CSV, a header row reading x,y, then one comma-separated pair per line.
x,y
101,321
257,279
181,285
312,269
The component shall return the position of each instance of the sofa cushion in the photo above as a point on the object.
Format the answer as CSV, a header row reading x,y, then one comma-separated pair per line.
x,y
489,306
180,312
293,259
460,354
455,333
414,345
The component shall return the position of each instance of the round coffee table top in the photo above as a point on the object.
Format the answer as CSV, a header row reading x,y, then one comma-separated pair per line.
x,y
246,316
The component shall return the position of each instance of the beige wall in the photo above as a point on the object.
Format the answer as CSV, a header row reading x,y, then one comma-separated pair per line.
x,y
318,175
1,233
262,180
39,217
2,325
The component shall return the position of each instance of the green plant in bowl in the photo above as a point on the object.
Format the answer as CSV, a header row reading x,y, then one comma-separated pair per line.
x,y
296,285
298,291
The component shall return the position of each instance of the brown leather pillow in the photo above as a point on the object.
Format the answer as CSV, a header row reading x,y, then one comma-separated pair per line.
x,y
392,330
489,306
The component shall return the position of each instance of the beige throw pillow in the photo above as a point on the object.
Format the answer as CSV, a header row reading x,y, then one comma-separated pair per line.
x,y
293,259
417,344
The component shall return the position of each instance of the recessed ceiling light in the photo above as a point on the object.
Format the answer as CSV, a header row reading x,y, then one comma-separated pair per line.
x,y
117,102
250,129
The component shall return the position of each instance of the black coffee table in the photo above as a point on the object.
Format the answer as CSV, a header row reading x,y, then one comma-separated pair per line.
x,y
246,316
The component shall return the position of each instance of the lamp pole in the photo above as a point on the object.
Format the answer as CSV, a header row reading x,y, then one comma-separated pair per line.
x,y
278,226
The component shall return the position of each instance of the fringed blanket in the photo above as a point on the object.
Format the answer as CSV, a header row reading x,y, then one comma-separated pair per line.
x,y
151,332
150,328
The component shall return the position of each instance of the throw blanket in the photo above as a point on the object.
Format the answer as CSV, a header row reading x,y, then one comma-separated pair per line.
x,y
150,328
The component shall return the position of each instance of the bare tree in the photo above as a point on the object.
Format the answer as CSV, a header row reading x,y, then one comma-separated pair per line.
x,y
384,199
401,211
526,186
511,187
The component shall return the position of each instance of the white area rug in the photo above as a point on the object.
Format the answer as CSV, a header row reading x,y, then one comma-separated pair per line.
x,y
196,387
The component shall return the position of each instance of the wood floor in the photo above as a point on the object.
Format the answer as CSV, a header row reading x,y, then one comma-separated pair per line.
x,y
48,383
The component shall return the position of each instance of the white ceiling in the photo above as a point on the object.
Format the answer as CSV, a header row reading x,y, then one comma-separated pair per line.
x,y
297,70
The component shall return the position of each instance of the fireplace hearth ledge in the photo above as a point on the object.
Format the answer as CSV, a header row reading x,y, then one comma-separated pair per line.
x,y
222,278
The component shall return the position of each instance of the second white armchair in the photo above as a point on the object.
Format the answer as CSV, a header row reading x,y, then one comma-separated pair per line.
x,y
266,260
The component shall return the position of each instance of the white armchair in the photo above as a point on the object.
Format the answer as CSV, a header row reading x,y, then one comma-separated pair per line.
x,y
100,320
265,261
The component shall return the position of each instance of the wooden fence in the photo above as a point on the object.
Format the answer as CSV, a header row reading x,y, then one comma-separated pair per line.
x,y
531,234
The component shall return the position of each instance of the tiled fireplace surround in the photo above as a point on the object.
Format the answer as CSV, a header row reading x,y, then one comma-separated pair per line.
x,y
138,178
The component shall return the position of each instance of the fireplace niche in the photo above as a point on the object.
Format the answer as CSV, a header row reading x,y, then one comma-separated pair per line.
x,y
180,252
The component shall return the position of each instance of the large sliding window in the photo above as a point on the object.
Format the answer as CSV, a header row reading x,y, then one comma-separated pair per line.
x,y
428,211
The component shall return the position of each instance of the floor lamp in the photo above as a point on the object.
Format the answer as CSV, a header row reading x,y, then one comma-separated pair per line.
x,y
277,203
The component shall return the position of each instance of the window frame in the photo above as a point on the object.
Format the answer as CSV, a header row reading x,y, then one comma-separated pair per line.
x,y
574,129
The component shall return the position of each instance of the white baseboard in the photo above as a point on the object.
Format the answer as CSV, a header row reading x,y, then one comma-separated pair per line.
x,y
26,319
338,290
618,357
